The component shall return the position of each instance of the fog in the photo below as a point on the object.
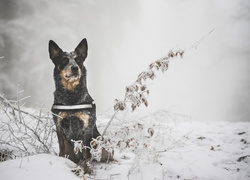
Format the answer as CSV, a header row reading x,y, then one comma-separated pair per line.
x,y
211,82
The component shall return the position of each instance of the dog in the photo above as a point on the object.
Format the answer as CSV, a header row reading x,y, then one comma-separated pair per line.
x,y
74,110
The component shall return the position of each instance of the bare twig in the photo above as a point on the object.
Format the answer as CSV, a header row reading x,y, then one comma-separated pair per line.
x,y
9,104
24,131
111,119
197,43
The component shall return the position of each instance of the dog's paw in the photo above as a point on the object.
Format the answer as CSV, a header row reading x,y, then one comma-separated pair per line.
x,y
107,157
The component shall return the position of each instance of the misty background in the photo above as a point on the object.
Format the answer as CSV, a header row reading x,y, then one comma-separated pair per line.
x,y
211,82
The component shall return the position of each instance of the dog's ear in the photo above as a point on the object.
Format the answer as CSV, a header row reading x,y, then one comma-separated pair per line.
x,y
54,51
82,48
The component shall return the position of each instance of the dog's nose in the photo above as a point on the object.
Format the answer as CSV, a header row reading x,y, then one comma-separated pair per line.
x,y
74,68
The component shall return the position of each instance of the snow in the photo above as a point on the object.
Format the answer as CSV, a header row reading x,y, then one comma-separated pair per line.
x,y
180,148
42,166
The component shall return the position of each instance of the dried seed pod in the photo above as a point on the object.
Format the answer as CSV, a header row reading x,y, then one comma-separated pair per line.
x,y
171,54
150,132
143,87
119,105
133,107
151,66
181,53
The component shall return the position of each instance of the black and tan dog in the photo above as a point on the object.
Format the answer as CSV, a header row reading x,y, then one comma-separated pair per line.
x,y
75,111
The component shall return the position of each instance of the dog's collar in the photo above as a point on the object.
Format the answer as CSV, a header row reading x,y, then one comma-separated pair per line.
x,y
73,107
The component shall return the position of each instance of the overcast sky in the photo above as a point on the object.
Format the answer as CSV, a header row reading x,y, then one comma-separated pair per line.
x,y
211,82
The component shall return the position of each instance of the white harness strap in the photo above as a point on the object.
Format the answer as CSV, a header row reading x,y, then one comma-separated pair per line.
x,y
73,107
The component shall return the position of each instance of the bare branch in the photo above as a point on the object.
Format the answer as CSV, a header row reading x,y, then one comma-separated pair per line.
x,y
26,132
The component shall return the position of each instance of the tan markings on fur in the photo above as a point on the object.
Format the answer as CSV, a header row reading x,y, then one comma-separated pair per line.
x,y
69,83
62,116
84,117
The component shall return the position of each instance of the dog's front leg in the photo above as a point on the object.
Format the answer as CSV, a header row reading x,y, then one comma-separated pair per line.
x,y
61,141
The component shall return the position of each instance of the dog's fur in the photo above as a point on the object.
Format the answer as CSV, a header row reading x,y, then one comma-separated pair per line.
x,y
71,89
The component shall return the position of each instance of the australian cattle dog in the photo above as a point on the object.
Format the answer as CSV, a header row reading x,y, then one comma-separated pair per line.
x,y
74,109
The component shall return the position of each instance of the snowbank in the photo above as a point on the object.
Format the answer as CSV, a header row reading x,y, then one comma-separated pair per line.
x,y
188,150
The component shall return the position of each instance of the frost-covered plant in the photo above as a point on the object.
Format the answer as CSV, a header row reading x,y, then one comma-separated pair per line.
x,y
137,93
99,148
78,146
100,144
146,137
140,138
97,145
134,138
25,133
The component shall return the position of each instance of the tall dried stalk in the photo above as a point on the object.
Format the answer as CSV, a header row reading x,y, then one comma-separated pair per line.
x,y
136,94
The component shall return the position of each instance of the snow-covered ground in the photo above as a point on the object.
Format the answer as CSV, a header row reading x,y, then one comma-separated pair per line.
x,y
179,148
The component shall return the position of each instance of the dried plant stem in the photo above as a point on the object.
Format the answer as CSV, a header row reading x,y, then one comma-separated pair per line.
x,y
110,121
137,93
197,43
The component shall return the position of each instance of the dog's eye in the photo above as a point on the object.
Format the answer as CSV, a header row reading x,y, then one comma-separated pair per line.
x,y
78,60
65,61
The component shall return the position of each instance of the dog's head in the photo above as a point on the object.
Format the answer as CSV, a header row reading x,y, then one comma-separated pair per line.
x,y
69,65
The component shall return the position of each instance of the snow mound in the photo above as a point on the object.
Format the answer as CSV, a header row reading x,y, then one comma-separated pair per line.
x,y
39,167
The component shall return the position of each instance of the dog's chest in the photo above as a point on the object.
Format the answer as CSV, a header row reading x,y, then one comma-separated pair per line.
x,y
73,121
